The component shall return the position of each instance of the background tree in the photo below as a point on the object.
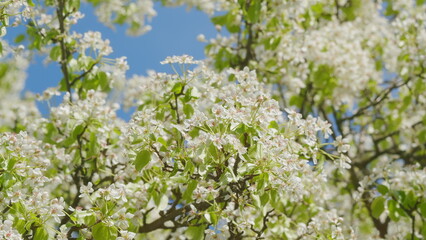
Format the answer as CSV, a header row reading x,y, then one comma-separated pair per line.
x,y
251,143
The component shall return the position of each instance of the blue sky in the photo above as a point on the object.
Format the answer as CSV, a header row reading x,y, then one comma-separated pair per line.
x,y
174,32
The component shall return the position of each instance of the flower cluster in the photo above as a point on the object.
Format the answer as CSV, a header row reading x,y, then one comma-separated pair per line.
x,y
306,121
25,162
232,123
131,12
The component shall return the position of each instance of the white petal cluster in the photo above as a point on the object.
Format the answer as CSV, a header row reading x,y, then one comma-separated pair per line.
x,y
14,109
28,160
243,102
135,13
253,142
93,41
208,6
8,232
340,47
18,10
184,59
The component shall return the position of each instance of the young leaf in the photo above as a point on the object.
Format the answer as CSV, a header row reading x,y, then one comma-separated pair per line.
x,y
195,232
142,159
382,189
41,234
377,207
423,209
102,231
55,53
187,195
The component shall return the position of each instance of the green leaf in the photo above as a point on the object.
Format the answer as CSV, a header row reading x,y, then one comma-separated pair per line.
x,y
120,19
3,69
41,234
36,43
254,11
11,164
188,110
72,5
274,43
49,2
63,85
195,232
378,206
90,220
393,210
102,78
78,131
382,189
92,145
424,230
351,10
188,96
177,88
264,199
213,151
102,231
175,169
7,180
189,167
274,124
228,20
30,3
211,217
68,141
406,102
410,200
20,225
317,8
422,208
142,159
107,207
219,20
94,2
5,22
162,141
20,38
163,202
422,136
187,195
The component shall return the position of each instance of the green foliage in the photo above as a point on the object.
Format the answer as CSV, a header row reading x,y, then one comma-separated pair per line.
x,y
219,153
378,206
102,231
41,234
195,232
142,159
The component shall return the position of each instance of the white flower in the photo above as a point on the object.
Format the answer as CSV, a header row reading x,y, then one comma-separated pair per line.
x,y
126,235
93,40
293,115
7,231
56,209
121,218
344,161
86,190
341,144
324,127
63,234
215,234
201,38
184,59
